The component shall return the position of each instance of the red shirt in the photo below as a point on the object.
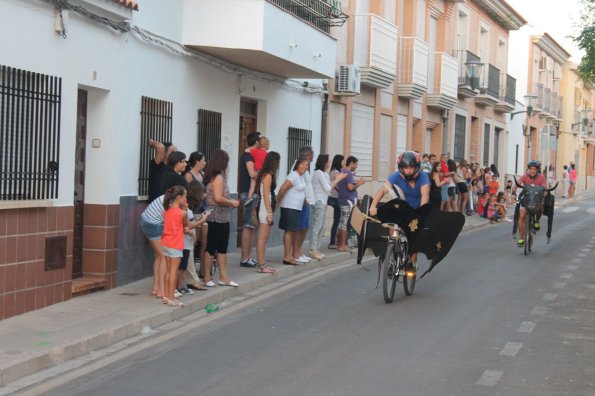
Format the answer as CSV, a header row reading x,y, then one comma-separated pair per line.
x,y
173,229
493,186
258,154
539,180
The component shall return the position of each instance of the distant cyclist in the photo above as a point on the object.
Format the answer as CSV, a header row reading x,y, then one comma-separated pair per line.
x,y
532,178
408,184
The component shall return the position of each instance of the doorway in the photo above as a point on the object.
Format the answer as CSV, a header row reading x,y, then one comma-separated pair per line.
x,y
248,124
79,185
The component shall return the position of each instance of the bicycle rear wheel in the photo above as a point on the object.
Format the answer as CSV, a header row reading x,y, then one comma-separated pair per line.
x,y
527,234
531,232
409,278
390,273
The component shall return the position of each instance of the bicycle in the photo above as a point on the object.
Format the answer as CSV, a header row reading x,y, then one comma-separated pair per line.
x,y
395,263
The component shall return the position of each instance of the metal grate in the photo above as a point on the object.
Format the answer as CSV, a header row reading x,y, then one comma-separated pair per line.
x,y
29,134
209,131
156,123
459,152
321,14
296,138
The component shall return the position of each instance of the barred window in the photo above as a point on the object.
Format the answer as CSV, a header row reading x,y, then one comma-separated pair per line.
x,y
296,138
460,137
156,123
29,134
209,131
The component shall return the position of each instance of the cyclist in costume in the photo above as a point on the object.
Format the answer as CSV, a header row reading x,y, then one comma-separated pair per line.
x,y
532,178
408,184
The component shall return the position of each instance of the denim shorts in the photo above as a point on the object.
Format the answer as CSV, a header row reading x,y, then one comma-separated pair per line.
x,y
305,218
151,230
248,209
171,252
444,192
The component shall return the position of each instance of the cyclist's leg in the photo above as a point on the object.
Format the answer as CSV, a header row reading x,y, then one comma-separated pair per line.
x,y
413,260
521,225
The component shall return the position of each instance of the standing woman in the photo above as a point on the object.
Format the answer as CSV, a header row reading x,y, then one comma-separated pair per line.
x,y
219,202
436,182
452,185
292,196
322,185
333,199
266,183
195,172
462,173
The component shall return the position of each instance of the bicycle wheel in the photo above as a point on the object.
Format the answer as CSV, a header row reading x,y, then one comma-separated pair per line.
x,y
527,233
531,232
390,273
409,275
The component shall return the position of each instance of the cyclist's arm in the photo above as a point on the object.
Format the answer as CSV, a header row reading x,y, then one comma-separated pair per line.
x,y
379,195
425,194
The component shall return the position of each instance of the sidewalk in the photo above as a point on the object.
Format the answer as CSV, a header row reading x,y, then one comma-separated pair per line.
x,y
40,339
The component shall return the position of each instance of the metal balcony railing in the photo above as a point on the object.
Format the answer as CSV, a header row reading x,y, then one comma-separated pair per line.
x,y
507,88
321,14
490,83
537,90
465,56
547,98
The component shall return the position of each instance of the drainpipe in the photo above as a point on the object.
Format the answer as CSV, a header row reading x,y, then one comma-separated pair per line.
x,y
445,131
324,122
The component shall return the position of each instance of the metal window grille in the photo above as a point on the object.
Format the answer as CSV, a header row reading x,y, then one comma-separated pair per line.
x,y
30,106
319,13
296,138
459,149
486,144
209,131
156,123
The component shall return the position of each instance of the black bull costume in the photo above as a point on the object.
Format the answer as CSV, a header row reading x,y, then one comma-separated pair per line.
x,y
533,197
428,230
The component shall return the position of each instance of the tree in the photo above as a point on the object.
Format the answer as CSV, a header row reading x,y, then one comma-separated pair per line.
x,y
586,42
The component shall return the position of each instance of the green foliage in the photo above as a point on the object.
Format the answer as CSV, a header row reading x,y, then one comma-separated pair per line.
x,y
586,41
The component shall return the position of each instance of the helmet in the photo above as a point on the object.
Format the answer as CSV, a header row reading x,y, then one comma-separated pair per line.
x,y
409,158
533,163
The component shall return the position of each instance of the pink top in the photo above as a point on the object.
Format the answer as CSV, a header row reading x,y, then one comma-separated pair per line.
x,y
491,210
572,175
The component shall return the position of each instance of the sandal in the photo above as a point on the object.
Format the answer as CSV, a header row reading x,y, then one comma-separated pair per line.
x,y
265,269
198,287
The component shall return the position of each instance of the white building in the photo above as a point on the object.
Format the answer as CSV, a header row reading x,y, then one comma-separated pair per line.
x,y
200,73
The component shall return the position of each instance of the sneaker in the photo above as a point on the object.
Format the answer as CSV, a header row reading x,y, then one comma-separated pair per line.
x,y
316,255
508,220
520,243
250,263
537,226
177,294
307,258
332,246
186,291
302,260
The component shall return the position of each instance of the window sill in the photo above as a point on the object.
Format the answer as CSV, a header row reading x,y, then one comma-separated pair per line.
x,y
26,204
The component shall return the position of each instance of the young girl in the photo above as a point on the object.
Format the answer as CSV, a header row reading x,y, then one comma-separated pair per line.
x,y
172,239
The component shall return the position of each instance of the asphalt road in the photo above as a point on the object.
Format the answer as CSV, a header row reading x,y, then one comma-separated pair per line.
x,y
486,321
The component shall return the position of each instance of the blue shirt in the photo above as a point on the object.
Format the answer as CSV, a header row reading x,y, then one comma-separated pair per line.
x,y
412,195
345,195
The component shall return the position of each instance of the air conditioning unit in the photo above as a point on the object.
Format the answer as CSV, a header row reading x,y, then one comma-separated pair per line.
x,y
347,80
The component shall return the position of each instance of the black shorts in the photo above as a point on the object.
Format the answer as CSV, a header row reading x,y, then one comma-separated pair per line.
x,y
217,238
184,262
462,186
452,191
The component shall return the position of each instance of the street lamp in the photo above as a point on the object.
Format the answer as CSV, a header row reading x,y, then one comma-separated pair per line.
x,y
584,120
474,71
529,101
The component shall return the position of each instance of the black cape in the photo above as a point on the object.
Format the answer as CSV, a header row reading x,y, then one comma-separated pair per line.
x,y
429,230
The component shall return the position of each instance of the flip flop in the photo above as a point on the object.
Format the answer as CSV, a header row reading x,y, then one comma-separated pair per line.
x,y
265,269
290,262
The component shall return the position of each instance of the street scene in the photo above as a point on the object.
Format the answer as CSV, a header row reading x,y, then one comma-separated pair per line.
x,y
288,197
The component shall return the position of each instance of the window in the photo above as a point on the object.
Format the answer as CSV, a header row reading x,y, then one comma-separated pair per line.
x,y
296,138
486,144
156,124
209,131
29,134
460,136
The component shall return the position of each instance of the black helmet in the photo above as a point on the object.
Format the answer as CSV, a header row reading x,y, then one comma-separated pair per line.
x,y
533,163
409,158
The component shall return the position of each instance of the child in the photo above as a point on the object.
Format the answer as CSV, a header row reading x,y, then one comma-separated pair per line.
x,y
492,210
494,185
258,154
507,193
195,196
482,204
172,239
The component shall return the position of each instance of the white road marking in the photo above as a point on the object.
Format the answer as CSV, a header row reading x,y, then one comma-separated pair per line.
x,y
581,255
586,250
526,327
538,311
588,245
591,210
570,209
511,348
572,267
566,276
590,286
559,285
489,378
577,260
550,296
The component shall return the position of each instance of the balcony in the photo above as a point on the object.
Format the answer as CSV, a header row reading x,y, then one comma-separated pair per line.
x,y
413,68
507,94
489,87
464,79
537,90
547,97
443,79
287,38
559,100
375,50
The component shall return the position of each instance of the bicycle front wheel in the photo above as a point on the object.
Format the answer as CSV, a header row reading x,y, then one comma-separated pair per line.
x,y
390,273
409,278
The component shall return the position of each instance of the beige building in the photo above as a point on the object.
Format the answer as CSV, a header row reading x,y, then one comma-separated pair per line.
x,y
576,140
412,62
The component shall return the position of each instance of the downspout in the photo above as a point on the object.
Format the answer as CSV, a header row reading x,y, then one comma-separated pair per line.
x,y
324,122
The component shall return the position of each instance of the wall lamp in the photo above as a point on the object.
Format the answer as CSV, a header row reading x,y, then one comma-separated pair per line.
x,y
529,100
474,69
